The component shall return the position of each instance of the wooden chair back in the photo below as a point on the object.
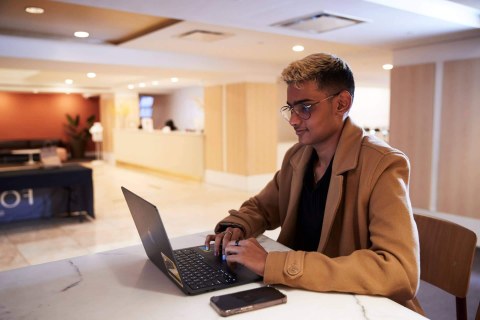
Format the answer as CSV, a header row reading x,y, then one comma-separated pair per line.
x,y
446,257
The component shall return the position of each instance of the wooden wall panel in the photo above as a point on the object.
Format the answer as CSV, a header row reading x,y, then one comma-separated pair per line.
x,y
213,97
262,128
411,124
236,129
459,168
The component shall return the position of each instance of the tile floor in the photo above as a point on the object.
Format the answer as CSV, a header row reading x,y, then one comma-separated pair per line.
x,y
186,207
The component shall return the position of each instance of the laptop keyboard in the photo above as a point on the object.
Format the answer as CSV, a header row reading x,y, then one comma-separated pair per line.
x,y
197,274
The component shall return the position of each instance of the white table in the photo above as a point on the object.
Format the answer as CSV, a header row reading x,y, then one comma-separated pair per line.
x,y
30,153
124,284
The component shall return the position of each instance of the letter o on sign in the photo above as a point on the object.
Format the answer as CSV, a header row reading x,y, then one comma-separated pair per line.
x,y
10,199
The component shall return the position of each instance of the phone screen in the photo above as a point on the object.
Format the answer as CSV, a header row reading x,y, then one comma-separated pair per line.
x,y
247,300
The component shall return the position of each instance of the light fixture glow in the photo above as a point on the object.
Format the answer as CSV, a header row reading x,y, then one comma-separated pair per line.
x,y
155,83
174,79
68,81
142,85
298,48
81,34
91,75
34,10
387,66
130,86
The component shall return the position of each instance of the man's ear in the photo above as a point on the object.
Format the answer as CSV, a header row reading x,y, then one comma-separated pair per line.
x,y
344,102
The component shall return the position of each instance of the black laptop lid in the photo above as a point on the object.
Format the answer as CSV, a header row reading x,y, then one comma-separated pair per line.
x,y
152,233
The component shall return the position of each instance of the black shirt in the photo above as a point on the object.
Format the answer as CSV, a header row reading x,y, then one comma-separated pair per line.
x,y
311,207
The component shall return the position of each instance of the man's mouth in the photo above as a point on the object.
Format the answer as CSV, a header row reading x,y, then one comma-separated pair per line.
x,y
299,131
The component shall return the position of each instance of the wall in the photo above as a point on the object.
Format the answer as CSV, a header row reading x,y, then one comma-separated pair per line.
x,y
184,106
39,116
241,134
434,119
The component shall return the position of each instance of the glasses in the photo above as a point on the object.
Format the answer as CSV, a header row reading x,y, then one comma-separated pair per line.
x,y
302,110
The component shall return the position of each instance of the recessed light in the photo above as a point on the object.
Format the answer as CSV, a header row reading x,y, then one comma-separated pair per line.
x,y
91,75
68,81
130,86
81,34
34,10
387,66
298,48
155,83
142,85
174,79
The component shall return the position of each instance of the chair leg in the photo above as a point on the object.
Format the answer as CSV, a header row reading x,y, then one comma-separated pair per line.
x,y
461,308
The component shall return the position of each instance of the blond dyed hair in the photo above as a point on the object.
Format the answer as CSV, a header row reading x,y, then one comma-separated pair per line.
x,y
330,73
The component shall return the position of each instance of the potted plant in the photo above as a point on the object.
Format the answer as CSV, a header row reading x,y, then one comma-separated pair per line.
x,y
78,136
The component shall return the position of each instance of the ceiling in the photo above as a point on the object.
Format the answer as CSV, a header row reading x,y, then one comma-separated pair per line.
x,y
140,43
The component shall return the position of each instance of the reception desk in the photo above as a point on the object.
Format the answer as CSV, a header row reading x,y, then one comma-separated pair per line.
x,y
176,153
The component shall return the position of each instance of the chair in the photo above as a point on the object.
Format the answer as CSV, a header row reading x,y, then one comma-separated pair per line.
x,y
446,257
477,317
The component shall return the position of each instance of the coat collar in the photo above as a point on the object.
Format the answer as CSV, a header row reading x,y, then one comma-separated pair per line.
x,y
346,155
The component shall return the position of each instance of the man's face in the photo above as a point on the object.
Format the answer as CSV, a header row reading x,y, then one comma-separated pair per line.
x,y
325,122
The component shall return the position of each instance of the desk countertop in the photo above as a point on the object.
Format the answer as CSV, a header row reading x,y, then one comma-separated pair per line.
x,y
124,284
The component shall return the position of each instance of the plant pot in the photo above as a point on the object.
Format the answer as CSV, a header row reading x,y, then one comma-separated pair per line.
x,y
78,148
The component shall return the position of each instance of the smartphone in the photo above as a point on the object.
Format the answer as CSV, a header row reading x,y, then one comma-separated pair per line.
x,y
248,300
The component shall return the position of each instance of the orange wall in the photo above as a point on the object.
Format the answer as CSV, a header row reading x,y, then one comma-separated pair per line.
x,y
40,116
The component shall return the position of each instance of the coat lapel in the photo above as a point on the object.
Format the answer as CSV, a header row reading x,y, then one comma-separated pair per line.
x,y
299,164
346,158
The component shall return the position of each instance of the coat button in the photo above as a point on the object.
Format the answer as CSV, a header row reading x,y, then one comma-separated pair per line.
x,y
293,270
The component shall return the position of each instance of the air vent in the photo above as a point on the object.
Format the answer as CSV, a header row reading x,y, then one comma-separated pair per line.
x,y
204,35
319,22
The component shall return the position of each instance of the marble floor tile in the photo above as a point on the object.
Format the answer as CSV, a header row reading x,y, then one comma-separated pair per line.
x,y
186,207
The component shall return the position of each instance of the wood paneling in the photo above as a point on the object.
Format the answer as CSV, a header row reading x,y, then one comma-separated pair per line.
x,y
459,168
262,128
411,124
236,128
213,97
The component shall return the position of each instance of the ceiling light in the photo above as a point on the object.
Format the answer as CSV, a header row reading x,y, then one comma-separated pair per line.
x,y
174,79
141,85
298,48
68,81
130,86
155,83
318,22
81,34
34,10
387,66
91,75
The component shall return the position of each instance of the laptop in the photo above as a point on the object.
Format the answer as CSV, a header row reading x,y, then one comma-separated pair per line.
x,y
194,270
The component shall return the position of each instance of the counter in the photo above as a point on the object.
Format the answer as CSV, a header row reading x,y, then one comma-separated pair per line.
x,y
176,153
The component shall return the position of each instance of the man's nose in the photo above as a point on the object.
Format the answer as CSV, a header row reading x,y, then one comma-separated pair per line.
x,y
294,119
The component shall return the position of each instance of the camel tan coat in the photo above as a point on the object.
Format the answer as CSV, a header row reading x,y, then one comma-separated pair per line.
x,y
369,241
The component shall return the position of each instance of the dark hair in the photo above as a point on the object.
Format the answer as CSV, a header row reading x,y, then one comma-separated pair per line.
x,y
170,124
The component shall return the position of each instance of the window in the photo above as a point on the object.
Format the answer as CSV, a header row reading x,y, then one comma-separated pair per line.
x,y
146,106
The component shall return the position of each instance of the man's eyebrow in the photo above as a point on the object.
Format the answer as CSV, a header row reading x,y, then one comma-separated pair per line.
x,y
298,101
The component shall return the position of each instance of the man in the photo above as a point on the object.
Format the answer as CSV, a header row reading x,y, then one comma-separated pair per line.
x,y
340,198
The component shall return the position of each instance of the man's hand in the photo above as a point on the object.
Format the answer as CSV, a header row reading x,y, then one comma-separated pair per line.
x,y
221,239
249,253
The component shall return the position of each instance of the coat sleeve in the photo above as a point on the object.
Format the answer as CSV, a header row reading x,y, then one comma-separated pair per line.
x,y
257,214
388,266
